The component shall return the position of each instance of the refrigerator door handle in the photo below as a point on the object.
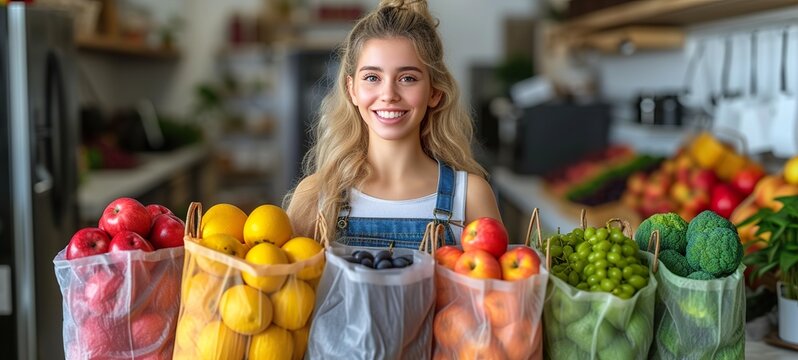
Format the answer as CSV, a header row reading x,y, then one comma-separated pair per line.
x,y
44,181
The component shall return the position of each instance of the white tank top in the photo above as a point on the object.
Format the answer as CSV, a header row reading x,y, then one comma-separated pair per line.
x,y
366,206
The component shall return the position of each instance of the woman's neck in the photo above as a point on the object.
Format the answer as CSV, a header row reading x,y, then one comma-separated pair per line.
x,y
401,170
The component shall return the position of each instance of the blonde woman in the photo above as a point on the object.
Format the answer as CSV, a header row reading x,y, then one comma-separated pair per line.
x,y
392,144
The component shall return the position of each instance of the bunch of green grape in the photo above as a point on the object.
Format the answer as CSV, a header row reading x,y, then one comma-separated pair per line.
x,y
598,259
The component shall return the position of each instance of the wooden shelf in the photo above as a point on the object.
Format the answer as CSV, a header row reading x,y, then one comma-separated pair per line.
x,y
673,14
118,46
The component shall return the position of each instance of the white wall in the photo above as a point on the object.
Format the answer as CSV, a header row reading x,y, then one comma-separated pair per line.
x,y
471,32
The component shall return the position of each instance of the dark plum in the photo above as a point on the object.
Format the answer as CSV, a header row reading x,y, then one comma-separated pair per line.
x,y
384,264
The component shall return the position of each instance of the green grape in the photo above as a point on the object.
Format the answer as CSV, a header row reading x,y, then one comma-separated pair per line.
x,y
602,233
632,260
589,269
593,280
583,286
584,254
629,289
631,243
578,232
592,240
616,249
617,236
627,250
608,284
573,279
637,281
621,263
603,245
573,257
595,288
614,258
555,251
579,266
629,271
642,270
601,264
600,255
558,268
583,246
621,293
615,273
600,273
589,232
567,250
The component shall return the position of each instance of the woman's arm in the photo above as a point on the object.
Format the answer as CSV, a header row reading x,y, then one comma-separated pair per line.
x,y
480,200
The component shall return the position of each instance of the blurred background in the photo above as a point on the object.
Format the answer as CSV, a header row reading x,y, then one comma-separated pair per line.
x,y
623,108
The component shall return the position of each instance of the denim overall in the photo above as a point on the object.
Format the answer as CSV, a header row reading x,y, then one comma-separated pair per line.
x,y
403,232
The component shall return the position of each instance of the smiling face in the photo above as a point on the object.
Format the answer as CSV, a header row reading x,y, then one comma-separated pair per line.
x,y
391,88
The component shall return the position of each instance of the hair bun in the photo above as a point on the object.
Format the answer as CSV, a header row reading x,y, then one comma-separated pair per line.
x,y
418,6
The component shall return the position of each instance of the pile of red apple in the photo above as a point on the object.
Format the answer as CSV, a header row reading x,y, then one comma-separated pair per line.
x,y
683,187
485,255
119,303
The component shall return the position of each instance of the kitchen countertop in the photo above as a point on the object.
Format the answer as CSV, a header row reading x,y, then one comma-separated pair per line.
x,y
103,186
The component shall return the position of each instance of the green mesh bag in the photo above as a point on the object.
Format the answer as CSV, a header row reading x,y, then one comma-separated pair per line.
x,y
699,319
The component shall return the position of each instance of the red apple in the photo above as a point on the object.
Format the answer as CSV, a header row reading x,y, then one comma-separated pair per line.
x,y
501,308
478,264
519,263
487,234
447,256
745,180
100,292
155,210
97,337
166,294
128,240
724,200
167,231
148,329
126,214
703,179
86,242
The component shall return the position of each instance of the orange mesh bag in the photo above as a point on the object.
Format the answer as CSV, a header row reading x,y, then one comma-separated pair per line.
x,y
233,308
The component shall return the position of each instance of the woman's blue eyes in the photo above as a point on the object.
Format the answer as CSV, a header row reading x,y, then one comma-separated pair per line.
x,y
373,78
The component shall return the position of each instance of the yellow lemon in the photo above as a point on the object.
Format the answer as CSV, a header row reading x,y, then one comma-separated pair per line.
x,y
267,223
218,342
293,304
184,354
314,283
301,342
245,309
303,248
265,254
201,294
272,344
224,244
791,171
223,219
188,327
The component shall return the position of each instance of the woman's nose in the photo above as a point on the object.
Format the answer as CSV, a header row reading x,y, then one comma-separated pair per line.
x,y
389,93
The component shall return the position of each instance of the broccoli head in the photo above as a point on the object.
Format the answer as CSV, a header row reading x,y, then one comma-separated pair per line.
x,y
672,232
675,262
705,221
700,275
717,252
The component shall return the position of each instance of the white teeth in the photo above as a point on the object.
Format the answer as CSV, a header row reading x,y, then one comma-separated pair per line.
x,y
390,114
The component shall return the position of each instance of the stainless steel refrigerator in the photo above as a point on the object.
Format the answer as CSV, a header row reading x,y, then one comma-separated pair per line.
x,y
38,175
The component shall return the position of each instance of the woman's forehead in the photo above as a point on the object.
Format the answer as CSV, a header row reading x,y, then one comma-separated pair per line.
x,y
389,54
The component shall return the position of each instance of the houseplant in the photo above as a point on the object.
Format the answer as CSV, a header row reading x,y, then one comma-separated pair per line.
x,y
778,230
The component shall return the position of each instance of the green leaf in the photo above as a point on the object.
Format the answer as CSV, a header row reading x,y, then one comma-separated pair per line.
x,y
787,260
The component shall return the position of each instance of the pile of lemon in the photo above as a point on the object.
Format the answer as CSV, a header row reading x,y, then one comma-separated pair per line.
x,y
229,314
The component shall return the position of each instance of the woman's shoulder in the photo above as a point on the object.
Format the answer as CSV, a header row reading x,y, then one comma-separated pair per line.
x,y
480,199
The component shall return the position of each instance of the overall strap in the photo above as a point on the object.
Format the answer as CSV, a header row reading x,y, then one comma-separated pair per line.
x,y
445,195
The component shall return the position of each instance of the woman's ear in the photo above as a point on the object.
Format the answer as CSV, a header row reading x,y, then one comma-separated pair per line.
x,y
350,90
435,98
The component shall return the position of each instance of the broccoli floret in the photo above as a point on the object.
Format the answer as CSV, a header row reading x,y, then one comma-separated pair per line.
x,y
700,275
705,221
717,252
675,262
672,232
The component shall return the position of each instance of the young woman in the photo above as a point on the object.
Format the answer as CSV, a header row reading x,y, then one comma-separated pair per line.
x,y
392,143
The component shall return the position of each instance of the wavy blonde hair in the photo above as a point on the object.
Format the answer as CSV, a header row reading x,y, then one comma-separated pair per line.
x,y
340,137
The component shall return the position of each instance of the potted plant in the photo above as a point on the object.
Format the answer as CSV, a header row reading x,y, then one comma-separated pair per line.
x,y
778,232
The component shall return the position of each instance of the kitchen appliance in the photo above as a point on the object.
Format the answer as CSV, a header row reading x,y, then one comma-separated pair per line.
x,y
38,175
553,135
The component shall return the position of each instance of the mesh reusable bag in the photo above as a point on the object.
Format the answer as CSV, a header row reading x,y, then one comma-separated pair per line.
x,y
699,319
120,304
222,316
363,313
490,319
598,325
